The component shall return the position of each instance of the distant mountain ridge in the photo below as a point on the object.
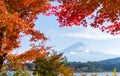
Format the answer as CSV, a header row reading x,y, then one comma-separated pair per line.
x,y
79,52
76,47
113,60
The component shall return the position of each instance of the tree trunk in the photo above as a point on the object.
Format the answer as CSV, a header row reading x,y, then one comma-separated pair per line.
x,y
2,58
1,61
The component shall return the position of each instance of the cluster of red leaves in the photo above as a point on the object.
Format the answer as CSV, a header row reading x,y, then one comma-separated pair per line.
x,y
113,29
76,12
71,12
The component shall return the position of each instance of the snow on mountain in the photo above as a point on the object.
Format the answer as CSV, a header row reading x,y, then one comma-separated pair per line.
x,y
81,52
76,48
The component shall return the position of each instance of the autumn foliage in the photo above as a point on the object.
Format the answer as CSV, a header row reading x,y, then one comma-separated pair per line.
x,y
94,13
16,21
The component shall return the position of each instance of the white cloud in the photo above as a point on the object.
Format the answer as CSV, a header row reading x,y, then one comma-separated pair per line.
x,y
86,50
92,34
112,52
73,52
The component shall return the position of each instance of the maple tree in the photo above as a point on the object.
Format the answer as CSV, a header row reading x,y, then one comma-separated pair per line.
x,y
94,13
16,21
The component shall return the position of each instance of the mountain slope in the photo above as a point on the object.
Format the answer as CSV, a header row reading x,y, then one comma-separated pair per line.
x,y
76,48
81,52
113,60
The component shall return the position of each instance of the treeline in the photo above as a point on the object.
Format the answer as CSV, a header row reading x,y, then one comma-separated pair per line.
x,y
53,64
94,66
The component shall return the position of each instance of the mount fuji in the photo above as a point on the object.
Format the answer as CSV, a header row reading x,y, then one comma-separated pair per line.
x,y
79,52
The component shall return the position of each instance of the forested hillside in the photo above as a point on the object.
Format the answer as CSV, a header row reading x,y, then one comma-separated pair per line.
x,y
94,66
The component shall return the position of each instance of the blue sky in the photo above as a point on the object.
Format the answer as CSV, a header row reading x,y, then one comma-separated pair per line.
x,y
60,38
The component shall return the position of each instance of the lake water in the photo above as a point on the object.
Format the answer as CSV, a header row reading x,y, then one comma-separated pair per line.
x,y
87,74
98,74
